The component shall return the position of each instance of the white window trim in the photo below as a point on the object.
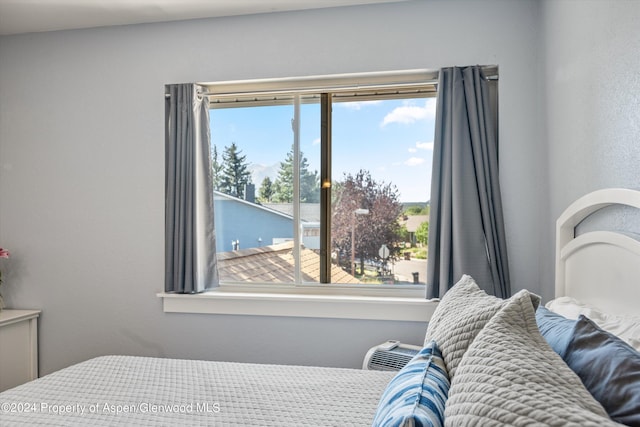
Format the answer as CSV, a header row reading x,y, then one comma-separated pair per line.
x,y
332,306
234,91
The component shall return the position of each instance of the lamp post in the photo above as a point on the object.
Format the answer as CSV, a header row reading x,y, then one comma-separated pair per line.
x,y
353,237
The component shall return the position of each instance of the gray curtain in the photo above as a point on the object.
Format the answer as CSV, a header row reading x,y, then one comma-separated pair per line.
x,y
466,227
190,257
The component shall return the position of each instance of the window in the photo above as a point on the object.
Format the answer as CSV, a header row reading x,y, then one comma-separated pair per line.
x,y
323,180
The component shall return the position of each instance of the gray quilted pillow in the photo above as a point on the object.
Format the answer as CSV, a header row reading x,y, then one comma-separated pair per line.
x,y
460,315
510,376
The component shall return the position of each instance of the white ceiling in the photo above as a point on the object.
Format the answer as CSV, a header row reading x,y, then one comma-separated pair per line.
x,y
27,16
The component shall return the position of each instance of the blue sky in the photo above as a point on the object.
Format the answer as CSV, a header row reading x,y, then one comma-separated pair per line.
x,y
393,139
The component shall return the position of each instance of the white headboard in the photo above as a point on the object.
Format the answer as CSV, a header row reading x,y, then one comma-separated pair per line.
x,y
601,268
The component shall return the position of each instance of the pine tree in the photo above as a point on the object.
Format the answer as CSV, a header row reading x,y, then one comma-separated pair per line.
x,y
235,171
216,169
284,182
309,182
266,191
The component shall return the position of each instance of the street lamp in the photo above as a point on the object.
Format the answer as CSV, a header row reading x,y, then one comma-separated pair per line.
x,y
353,237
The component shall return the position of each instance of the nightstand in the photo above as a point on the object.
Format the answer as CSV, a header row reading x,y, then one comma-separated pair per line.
x,y
18,347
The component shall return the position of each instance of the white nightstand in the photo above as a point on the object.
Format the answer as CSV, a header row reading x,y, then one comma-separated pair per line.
x,y
18,347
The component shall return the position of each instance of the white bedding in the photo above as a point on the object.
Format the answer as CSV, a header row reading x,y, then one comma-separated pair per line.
x,y
125,390
624,327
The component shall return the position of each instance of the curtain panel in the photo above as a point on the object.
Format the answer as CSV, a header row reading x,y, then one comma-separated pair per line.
x,y
190,257
466,227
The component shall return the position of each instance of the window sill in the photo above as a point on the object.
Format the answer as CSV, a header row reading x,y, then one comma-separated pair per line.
x,y
301,305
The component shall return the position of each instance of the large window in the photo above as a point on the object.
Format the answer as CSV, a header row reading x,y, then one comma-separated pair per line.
x,y
323,180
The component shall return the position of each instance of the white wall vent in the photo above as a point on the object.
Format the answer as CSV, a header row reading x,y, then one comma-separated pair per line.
x,y
378,359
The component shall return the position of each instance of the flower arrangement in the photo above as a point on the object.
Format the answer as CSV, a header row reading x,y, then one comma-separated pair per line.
x,y
3,254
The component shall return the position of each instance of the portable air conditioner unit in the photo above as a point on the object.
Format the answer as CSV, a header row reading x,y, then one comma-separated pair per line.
x,y
378,359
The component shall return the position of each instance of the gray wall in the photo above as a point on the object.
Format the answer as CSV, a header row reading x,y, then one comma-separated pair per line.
x,y
591,103
82,164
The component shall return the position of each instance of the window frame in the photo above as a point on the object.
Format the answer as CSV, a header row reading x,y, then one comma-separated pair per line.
x,y
342,87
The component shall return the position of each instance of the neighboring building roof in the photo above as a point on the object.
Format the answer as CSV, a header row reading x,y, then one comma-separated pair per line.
x,y
274,263
413,222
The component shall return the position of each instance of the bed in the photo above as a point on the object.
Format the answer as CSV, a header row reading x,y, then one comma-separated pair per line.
x,y
485,361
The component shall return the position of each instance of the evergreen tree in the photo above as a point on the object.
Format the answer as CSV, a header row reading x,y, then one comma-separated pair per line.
x,y
309,181
284,182
235,171
216,168
266,191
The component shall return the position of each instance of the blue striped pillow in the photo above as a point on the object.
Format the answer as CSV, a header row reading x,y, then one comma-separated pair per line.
x,y
416,396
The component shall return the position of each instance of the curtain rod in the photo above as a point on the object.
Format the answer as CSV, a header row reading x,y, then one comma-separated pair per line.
x,y
490,76
334,89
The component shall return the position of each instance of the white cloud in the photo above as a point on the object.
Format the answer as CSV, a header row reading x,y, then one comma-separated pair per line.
x,y
408,114
424,145
316,141
412,150
414,161
259,172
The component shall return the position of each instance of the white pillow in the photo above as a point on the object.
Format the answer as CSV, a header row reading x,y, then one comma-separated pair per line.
x,y
510,376
460,316
627,328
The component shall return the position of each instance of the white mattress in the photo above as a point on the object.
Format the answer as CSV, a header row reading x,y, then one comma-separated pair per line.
x,y
125,390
